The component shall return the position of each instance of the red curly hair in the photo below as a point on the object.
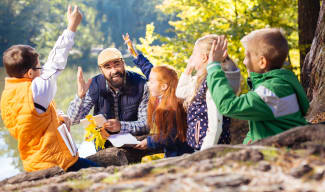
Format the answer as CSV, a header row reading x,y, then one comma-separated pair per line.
x,y
169,112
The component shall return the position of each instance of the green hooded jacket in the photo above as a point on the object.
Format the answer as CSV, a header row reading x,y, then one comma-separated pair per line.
x,y
276,103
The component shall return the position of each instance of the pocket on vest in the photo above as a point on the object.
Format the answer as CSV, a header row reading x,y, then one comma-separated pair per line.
x,y
130,112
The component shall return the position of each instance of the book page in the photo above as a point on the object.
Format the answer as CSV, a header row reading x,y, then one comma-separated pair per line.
x,y
66,136
118,140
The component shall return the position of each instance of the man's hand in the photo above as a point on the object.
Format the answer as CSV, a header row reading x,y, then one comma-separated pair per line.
x,y
66,120
74,18
82,85
142,145
218,51
112,125
128,41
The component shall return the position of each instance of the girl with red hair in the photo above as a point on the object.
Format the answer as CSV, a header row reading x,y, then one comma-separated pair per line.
x,y
166,115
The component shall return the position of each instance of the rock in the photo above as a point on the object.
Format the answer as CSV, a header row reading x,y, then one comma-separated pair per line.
x,y
226,180
318,176
264,166
301,171
32,176
246,155
97,177
219,168
125,187
109,156
131,172
120,156
296,137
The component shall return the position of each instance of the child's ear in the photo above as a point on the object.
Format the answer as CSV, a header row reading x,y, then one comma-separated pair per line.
x,y
205,57
264,64
29,74
164,87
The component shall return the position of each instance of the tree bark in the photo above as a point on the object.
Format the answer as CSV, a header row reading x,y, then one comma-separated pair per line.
x,y
313,69
308,11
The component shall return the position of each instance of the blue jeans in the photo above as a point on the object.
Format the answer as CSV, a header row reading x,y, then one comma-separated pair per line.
x,y
82,163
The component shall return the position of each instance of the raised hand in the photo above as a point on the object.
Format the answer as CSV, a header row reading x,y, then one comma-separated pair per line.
x,y
128,41
82,85
74,18
218,51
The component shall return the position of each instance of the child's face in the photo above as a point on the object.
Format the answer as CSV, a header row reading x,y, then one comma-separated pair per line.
x,y
197,58
253,62
155,87
36,71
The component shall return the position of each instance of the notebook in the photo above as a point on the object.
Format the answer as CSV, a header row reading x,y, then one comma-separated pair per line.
x,y
67,138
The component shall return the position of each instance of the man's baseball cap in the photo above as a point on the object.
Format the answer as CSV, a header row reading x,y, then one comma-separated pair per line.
x,y
107,55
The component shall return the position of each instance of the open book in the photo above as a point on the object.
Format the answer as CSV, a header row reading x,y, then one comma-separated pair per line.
x,y
117,140
66,136
123,139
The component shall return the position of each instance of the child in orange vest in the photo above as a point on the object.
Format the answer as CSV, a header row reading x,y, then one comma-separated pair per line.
x,y
27,109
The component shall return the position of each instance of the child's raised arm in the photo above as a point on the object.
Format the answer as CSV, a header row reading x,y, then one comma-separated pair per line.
x,y
44,87
130,45
140,61
74,18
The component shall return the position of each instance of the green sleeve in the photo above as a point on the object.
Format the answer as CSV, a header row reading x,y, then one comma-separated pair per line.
x,y
246,107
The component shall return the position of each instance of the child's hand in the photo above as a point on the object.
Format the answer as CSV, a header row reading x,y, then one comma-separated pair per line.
x,y
218,51
66,120
142,145
82,85
128,41
74,18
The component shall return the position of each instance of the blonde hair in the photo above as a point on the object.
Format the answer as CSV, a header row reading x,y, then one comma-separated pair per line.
x,y
268,42
205,44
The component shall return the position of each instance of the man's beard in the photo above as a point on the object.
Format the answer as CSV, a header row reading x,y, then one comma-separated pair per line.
x,y
116,80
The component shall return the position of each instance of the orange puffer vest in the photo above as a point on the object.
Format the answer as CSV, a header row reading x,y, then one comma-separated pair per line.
x,y
39,143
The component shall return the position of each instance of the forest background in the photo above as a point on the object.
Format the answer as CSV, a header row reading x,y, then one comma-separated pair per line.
x,y
163,30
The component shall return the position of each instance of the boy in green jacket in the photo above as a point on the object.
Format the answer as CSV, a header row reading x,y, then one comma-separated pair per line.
x,y
277,101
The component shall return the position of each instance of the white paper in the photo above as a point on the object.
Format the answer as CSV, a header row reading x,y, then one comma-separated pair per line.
x,y
99,120
118,140
67,138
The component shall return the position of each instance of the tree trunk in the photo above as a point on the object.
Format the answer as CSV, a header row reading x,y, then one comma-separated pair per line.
x,y
313,69
308,11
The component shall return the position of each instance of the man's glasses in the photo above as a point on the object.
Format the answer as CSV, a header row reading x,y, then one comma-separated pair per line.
x,y
36,68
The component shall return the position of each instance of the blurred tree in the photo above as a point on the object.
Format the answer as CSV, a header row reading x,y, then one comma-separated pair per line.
x,y
119,17
234,18
54,22
19,22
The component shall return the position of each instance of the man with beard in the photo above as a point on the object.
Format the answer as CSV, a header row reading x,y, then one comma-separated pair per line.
x,y
120,95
